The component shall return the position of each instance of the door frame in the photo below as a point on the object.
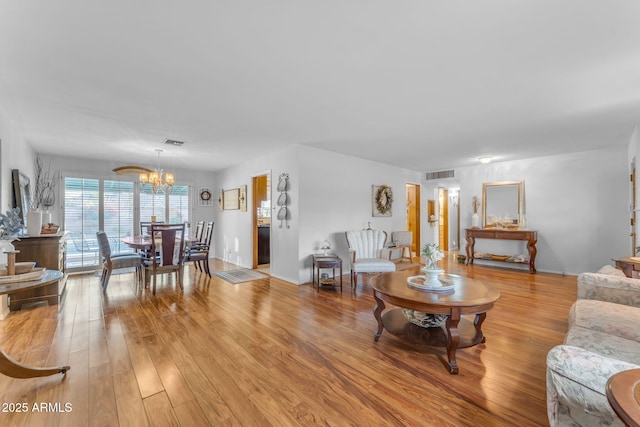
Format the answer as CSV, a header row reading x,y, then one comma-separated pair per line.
x,y
255,204
416,229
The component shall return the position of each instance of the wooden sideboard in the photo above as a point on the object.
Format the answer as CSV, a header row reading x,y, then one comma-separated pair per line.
x,y
48,251
502,234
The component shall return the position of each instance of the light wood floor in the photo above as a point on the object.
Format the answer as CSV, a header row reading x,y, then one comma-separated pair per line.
x,y
271,353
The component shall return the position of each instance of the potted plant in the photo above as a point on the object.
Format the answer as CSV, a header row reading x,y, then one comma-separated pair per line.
x,y
10,226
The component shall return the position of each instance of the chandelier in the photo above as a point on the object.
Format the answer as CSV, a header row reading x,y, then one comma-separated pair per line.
x,y
157,180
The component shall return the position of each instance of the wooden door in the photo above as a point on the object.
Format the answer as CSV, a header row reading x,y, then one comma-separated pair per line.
x,y
413,214
443,219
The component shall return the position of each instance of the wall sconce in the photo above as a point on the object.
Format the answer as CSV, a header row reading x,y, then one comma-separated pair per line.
x,y
432,220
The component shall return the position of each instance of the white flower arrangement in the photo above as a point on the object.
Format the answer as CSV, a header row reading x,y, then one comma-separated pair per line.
x,y
10,224
432,255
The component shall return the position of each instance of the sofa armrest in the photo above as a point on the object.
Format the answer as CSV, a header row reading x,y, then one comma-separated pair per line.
x,y
610,288
576,381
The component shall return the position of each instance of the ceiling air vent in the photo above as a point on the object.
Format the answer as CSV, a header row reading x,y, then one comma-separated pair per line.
x,y
440,174
174,142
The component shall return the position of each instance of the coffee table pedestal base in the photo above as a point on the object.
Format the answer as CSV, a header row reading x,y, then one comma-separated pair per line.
x,y
465,334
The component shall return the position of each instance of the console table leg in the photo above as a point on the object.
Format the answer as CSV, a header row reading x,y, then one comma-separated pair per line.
x,y
377,313
453,340
11,368
531,246
471,242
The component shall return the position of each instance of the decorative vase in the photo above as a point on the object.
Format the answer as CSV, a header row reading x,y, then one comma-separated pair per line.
x,y
431,275
46,217
475,220
34,222
5,246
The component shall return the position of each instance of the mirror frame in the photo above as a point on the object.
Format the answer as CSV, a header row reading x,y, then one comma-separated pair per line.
x,y
520,187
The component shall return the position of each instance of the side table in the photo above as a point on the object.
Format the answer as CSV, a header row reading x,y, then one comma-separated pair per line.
x,y
329,261
623,392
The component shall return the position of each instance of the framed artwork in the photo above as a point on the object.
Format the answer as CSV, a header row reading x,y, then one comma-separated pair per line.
x,y
231,199
205,197
221,200
381,200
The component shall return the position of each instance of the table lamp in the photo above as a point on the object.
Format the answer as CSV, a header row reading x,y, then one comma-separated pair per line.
x,y
326,247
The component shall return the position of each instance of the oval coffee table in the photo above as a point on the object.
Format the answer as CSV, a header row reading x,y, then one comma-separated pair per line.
x,y
469,296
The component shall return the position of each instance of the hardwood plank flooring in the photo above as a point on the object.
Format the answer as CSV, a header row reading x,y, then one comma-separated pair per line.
x,y
268,352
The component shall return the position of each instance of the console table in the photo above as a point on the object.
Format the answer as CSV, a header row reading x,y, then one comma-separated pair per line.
x,y
49,251
502,234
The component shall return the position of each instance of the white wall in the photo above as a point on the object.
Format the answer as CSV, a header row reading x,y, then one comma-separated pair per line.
x,y
577,202
15,153
336,192
234,236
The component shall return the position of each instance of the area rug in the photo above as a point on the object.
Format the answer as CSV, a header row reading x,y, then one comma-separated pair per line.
x,y
240,275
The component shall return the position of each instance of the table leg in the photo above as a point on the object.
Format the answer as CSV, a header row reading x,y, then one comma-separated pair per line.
x,y
531,247
478,322
377,313
471,243
453,339
11,368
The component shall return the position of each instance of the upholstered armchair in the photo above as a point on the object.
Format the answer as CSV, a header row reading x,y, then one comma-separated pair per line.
x,y
603,339
366,253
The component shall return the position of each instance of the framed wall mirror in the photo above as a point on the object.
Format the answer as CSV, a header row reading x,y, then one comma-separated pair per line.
x,y
503,204
21,193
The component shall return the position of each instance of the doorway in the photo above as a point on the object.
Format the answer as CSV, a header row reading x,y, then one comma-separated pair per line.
x,y
261,203
443,218
413,215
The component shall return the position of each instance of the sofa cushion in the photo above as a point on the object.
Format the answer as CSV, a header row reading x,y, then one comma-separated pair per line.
x,y
604,344
609,318
611,270
373,265
608,287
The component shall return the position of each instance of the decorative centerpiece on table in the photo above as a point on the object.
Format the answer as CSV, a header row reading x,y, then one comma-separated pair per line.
x,y
475,217
431,255
10,226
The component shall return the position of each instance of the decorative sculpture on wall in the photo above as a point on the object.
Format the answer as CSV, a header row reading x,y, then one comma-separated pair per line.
x,y
283,199
382,200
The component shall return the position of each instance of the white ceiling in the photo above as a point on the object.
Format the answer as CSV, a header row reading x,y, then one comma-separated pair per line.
x,y
422,84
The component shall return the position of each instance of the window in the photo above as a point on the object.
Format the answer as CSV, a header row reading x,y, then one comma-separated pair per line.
x,y
81,220
117,207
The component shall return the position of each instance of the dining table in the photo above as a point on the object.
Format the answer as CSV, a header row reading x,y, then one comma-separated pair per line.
x,y
143,244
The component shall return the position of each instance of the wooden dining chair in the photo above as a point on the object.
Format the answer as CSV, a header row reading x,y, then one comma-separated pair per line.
x,y
167,245
145,227
115,262
198,253
199,230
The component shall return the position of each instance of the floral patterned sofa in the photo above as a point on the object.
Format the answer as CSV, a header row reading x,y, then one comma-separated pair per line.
x,y
603,339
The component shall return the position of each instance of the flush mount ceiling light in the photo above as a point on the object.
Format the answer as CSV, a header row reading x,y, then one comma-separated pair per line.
x,y
174,142
485,159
